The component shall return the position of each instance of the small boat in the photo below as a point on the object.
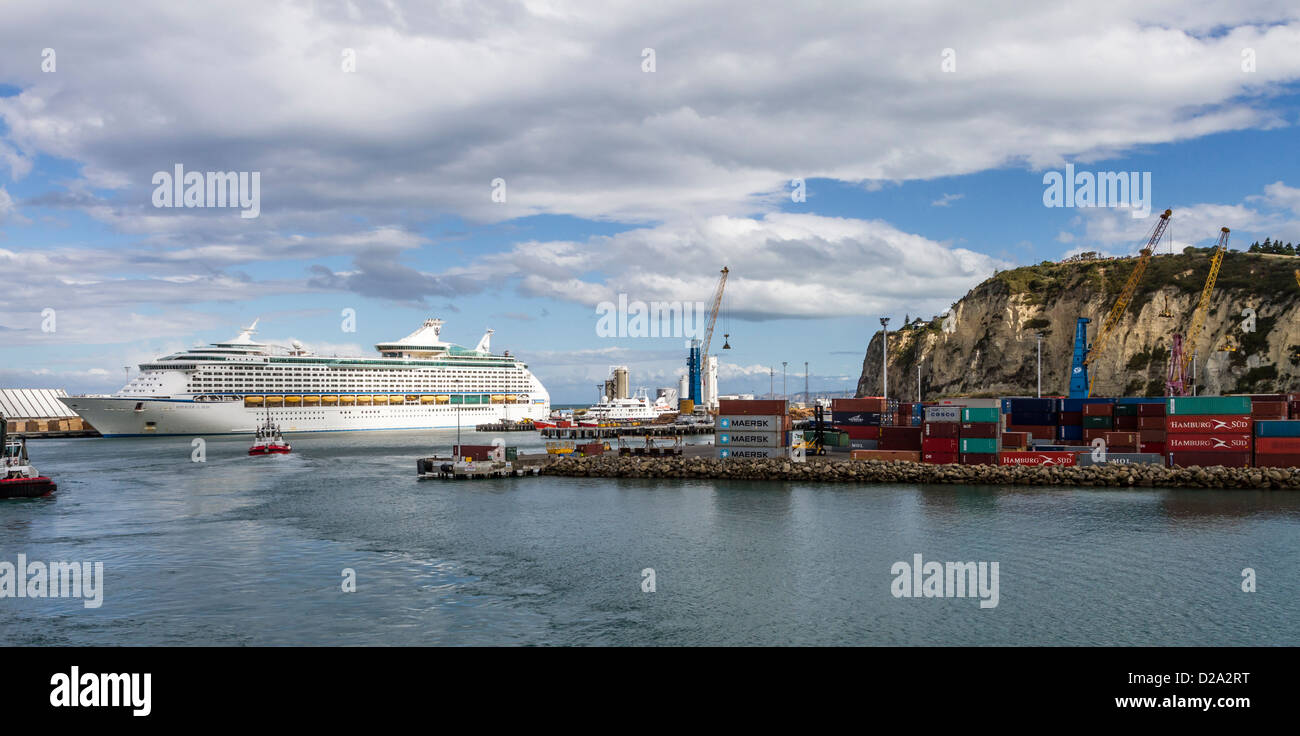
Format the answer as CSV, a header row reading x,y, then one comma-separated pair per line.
x,y
18,478
269,441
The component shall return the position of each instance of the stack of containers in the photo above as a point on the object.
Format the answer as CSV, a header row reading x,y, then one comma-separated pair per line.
x,y
860,419
752,429
1070,422
1037,417
940,443
1098,419
1151,425
1277,443
979,435
901,439
1209,431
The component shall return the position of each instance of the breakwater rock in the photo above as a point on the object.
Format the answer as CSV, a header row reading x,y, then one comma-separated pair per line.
x,y
871,471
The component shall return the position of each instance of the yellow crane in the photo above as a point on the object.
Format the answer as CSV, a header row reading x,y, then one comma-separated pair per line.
x,y
1203,307
1126,296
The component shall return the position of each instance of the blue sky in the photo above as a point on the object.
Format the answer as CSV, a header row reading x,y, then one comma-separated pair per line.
x,y
376,187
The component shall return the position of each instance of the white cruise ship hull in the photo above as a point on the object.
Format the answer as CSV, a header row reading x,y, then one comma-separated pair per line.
x,y
136,417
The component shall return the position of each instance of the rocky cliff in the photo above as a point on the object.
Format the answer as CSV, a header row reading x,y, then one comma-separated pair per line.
x,y
985,345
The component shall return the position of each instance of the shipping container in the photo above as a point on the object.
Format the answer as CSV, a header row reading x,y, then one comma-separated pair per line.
x,y
1098,422
887,455
1126,422
1277,428
941,429
1097,410
1268,410
1181,406
1036,458
859,433
1045,432
759,407
1277,460
940,444
1209,459
939,458
943,414
978,445
1158,448
756,423
857,418
1152,410
752,453
1122,458
1151,423
1207,424
1029,418
1121,439
1126,410
975,403
1151,435
1070,418
983,430
753,439
978,458
1221,442
1073,433
979,414
1015,440
1277,445
869,404
863,445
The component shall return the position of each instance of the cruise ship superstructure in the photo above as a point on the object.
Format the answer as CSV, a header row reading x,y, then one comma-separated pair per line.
x,y
417,382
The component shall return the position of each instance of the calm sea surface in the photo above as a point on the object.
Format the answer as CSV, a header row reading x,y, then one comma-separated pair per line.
x,y
240,550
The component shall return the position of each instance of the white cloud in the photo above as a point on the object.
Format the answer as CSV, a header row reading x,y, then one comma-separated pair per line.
x,y
946,200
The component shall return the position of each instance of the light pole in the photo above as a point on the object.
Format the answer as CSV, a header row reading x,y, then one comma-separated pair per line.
x,y
884,357
1040,364
806,399
784,394
771,382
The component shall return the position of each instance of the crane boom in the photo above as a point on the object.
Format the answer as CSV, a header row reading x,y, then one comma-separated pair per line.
x,y
1203,307
713,313
1126,295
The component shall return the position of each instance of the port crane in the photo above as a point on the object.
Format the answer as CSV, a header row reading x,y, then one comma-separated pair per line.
x,y
1180,358
1080,382
698,364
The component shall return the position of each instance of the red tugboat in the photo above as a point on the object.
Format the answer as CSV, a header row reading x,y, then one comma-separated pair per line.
x,y
268,440
18,479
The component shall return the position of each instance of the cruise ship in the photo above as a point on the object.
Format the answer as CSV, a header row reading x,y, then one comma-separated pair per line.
x,y
417,382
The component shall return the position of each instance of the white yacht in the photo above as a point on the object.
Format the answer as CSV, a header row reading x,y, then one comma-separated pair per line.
x,y
633,408
417,382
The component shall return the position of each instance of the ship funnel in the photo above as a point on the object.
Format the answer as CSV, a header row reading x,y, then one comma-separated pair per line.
x,y
485,345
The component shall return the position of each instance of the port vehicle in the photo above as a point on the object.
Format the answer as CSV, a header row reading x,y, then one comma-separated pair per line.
x,y
18,477
269,441
417,382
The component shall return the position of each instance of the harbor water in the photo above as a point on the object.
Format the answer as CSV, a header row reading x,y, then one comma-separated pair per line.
x,y
256,551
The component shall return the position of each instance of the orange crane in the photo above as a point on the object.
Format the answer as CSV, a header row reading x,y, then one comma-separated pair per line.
x,y
1126,296
1185,348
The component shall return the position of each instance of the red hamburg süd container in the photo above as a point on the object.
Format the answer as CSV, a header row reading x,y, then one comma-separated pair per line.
x,y
1064,459
1208,423
1209,459
981,430
945,445
941,429
1221,442
939,458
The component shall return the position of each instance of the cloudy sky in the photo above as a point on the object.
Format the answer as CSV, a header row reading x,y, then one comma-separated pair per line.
x,y
636,148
